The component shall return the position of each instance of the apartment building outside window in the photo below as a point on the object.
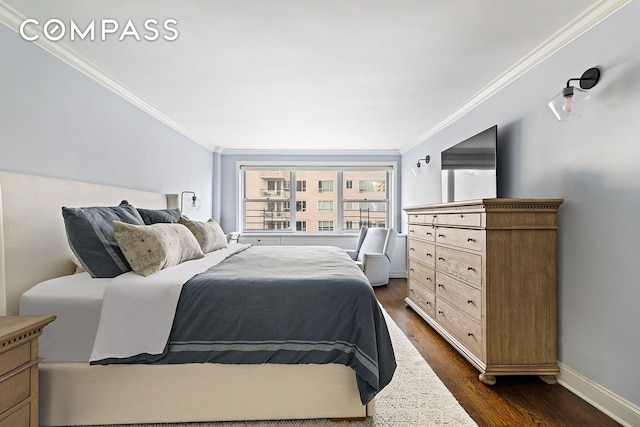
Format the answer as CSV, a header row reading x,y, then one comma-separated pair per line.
x,y
344,199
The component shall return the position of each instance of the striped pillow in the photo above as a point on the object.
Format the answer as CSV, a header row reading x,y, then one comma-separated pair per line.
x,y
90,236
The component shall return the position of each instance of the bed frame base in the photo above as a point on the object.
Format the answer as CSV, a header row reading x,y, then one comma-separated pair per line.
x,y
79,394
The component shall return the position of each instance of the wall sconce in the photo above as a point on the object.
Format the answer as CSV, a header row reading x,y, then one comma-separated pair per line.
x,y
568,104
195,202
417,168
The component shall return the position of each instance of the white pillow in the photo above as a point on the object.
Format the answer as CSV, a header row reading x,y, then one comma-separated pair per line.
x,y
151,248
208,234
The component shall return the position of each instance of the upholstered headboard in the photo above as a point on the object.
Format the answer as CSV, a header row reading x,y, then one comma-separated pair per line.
x,y
33,241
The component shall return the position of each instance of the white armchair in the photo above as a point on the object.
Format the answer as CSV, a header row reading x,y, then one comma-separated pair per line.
x,y
373,253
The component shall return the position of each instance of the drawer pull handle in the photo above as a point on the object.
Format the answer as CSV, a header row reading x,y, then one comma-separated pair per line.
x,y
440,235
440,312
471,239
428,302
412,231
440,258
411,269
428,254
469,334
469,301
412,249
471,269
428,233
440,285
428,278
461,216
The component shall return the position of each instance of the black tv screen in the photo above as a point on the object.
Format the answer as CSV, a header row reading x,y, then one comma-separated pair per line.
x,y
469,168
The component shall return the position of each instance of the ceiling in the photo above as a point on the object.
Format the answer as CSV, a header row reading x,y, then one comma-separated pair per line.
x,y
310,74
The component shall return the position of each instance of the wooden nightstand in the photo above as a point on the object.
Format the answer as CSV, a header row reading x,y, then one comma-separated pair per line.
x,y
19,369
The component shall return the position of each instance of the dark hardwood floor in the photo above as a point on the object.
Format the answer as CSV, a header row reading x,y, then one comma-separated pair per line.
x,y
513,401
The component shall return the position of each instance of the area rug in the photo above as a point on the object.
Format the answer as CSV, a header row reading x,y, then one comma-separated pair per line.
x,y
415,398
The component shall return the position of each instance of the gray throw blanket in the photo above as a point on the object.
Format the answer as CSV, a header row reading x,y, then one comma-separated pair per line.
x,y
285,305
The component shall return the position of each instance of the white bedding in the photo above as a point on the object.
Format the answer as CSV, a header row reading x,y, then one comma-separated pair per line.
x,y
76,300
137,311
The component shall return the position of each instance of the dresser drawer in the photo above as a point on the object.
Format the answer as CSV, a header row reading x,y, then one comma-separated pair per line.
x,y
422,274
462,237
422,251
463,220
425,299
422,232
418,218
465,297
461,265
461,326
14,358
15,389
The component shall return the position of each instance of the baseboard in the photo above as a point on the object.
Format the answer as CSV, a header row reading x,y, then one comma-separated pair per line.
x,y
621,410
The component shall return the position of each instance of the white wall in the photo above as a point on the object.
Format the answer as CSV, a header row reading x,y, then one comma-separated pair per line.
x,y
594,164
55,121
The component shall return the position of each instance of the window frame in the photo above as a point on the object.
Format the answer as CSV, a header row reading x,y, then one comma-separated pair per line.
x,y
391,190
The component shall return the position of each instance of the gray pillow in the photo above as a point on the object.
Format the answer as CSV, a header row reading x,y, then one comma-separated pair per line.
x,y
151,248
208,234
154,216
90,236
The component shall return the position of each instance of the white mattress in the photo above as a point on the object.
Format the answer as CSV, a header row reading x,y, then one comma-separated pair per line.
x,y
76,300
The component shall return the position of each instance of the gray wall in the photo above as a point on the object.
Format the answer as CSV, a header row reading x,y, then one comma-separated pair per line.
x,y
593,163
55,121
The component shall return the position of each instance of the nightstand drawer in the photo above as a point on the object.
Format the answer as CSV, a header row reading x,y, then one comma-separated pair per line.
x,y
15,358
15,389
18,418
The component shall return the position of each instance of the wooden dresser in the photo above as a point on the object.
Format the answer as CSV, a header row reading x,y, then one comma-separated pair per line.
x,y
483,274
19,369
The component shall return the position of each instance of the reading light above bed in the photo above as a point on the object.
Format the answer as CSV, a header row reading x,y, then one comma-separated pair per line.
x,y
194,205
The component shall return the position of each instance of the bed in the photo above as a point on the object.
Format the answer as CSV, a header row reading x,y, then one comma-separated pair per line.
x,y
34,250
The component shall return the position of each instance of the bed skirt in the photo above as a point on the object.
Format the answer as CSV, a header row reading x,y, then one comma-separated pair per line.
x,y
80,394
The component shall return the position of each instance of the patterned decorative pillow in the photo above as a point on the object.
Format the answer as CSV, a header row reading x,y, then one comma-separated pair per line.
x,y
90,236
208,234
151,248
154,216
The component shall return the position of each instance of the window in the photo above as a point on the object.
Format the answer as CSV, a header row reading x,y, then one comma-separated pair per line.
x,y
371,186
347,198
325,225
325,205
325,186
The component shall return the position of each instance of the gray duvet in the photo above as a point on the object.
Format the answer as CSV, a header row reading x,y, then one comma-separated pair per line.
x,y
285,305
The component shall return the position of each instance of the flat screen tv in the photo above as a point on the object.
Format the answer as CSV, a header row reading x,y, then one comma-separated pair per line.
x,y
469,168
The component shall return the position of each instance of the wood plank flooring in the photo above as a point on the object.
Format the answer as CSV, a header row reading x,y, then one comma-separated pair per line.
x,y
513,401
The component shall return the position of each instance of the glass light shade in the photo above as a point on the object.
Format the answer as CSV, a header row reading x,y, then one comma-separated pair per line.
x,y
569,104
417,169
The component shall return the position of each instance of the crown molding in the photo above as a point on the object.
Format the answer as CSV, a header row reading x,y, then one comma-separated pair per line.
x,y
584,22
12,19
